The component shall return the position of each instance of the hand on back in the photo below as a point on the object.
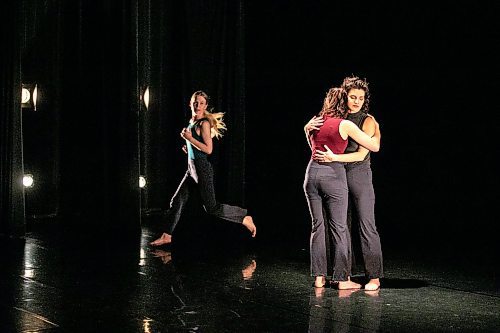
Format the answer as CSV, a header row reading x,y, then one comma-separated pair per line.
x,y
314,124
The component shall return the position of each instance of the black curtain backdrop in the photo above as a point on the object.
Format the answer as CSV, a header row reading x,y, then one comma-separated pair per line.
x,y
186,46
91,135
12,214
41,44
82,142
432,71
99,163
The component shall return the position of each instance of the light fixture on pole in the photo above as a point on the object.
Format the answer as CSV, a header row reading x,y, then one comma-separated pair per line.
x,y
29,96
28,180
142,181
145,97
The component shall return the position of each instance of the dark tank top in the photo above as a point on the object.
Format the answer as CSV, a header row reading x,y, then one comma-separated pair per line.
x,y
357,118
194,153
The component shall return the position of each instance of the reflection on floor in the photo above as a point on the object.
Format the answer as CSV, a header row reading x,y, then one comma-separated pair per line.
x,y
49,287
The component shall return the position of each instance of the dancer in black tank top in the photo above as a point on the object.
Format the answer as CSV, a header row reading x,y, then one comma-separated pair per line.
x,y
200,175
359,178
325,187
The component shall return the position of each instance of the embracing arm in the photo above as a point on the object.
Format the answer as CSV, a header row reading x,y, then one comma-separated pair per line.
x,y
370,142
313,124
369,127
328,156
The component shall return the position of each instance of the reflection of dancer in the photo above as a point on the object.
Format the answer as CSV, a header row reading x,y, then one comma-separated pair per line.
x,y
328,314
165,256
203,126
183,308
351,310
325,186
247,272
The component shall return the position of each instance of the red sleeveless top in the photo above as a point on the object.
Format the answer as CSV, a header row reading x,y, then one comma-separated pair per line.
x,y
328,135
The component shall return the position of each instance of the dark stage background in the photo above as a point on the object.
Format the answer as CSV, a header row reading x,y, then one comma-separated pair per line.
x,y
433,74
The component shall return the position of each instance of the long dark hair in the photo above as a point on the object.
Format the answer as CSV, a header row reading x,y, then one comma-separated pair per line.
x,y
335,104
355,82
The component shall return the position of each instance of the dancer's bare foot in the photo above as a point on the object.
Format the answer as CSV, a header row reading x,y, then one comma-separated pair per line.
x,y
345,285
372,285
319,282
164,239
248,223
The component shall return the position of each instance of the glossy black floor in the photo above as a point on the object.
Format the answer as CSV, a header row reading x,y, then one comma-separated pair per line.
x,y
49,283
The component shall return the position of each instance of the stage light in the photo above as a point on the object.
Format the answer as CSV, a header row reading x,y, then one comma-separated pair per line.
x,y
28,180
145,97
25,96
35,96
29,96
142,181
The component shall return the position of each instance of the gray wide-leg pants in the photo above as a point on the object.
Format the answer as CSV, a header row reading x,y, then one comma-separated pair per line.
x,y
325,187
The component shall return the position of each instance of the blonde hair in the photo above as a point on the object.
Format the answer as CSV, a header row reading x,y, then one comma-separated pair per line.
x,y
217,125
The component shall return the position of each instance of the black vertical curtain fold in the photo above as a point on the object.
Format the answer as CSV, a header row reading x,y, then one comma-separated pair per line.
x,y
82,141
92,136
40,59
214,54
12,215
186,46
99,117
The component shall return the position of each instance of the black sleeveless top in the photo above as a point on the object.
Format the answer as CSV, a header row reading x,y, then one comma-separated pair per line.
x,y
194,153
357,118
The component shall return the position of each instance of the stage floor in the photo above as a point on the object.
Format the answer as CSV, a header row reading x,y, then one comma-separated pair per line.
x,y
231,287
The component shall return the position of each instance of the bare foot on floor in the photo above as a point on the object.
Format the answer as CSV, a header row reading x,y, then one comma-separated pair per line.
x,y
248,223
372,285
319,282
345,285
164,239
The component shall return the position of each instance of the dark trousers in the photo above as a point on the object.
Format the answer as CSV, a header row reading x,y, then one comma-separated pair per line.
x,y
362,194
205,186
325,187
